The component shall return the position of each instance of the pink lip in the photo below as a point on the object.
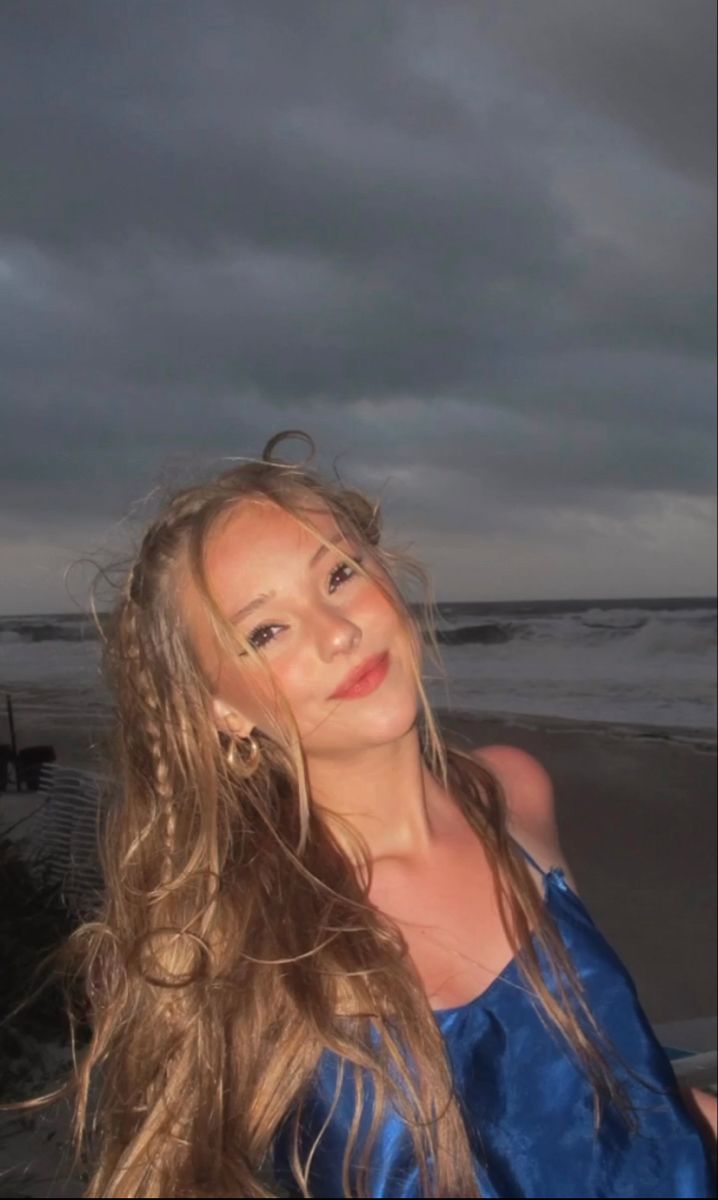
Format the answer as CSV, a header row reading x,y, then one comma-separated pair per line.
x,y
364,679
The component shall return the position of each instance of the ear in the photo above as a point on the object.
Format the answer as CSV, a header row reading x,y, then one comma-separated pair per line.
x,y
228,720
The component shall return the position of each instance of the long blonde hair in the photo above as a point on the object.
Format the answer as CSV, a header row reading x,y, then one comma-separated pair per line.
x,y
236,941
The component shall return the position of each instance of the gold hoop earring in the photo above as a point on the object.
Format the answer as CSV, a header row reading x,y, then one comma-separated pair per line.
x,y
232,757
254,753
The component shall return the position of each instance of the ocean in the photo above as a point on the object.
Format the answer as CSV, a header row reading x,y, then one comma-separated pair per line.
x,y
635,661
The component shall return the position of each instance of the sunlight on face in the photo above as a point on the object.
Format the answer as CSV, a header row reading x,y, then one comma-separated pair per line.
x,y
313,620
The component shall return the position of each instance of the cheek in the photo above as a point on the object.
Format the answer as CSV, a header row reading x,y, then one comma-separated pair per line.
x,y
293,681
250,694
391,624
302,679
373,606
384,627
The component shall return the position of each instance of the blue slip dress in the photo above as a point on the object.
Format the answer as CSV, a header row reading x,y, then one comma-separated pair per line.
x,y
527,1104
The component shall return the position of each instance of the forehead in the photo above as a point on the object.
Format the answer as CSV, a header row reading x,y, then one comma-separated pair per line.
x,y
257,537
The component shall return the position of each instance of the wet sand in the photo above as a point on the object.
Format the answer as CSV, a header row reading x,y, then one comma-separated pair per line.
x,y
637,819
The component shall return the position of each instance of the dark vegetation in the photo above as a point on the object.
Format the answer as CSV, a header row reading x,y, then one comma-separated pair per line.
x,y
34,921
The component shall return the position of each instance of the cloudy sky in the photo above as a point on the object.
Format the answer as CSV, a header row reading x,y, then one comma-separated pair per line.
x,y
468,246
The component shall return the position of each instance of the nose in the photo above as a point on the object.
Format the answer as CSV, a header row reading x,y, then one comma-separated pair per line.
x,y
336,634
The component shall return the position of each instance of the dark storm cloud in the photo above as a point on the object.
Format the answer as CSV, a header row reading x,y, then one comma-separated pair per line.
x,y
649,66
474,239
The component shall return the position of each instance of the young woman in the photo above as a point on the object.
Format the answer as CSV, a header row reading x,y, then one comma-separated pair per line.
x,y
339,956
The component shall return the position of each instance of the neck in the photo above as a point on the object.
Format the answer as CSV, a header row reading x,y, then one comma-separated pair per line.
x,y
385,793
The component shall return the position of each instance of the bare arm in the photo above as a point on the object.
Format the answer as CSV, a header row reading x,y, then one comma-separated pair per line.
x,y
702,1106
530,803
531,811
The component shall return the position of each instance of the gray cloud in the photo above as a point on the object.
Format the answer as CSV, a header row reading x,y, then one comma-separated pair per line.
x,y
648,67
472,245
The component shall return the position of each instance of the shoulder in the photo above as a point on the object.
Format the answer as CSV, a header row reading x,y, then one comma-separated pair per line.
x,y
530,802
526,782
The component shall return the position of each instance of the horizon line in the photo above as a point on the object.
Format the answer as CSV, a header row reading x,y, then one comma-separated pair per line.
x,y
472,600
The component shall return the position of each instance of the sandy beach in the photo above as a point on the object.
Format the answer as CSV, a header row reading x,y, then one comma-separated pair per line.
x,y
637,817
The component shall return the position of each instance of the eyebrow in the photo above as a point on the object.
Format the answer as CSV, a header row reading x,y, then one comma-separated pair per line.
x,y
259,600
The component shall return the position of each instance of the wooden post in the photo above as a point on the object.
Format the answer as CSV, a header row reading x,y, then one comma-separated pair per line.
x,y
11,724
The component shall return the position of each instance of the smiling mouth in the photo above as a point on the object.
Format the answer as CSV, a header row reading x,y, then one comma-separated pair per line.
x,y
364,682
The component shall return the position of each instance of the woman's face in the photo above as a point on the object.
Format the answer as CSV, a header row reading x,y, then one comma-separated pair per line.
x,y
319,622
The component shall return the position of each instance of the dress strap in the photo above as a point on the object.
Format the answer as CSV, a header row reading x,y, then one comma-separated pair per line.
x,y
527,856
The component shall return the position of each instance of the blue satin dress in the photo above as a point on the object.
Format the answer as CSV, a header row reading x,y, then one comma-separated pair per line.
x,y
528,1106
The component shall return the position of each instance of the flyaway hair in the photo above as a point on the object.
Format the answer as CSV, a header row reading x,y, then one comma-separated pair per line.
x,y
235,940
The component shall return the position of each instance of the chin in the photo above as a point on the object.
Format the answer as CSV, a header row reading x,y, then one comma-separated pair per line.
x,y
393,719
357,728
